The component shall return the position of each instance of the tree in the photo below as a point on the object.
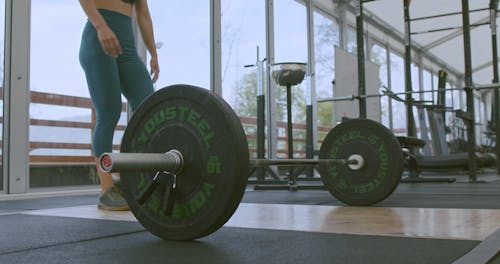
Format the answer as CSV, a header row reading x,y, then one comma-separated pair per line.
x,y
246,97
325,114
246,100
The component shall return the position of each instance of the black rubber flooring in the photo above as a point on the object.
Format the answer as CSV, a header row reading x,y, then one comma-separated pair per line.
x,y
484,195
40,239
43,239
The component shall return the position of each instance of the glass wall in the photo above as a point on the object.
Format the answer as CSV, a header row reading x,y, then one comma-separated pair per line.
x,y
61,115
326,37
427,86
2,48
379,56
182,32
427,98
415,86
243,48
397,86
291,46
290,31
243,35
449,99
480,122
352,42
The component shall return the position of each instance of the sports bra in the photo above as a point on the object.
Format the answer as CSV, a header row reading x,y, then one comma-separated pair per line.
x,y
129,1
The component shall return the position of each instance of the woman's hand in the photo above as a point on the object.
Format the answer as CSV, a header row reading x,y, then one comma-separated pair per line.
x,y
109,41
155,68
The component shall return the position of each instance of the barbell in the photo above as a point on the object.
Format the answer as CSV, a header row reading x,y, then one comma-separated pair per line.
x,y
387,92
184,162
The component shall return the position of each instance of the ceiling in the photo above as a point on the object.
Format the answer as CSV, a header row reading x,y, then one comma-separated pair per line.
x,y
446,45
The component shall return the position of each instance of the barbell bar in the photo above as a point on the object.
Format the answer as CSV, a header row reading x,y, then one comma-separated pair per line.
x,y
184,162
478,87
172,161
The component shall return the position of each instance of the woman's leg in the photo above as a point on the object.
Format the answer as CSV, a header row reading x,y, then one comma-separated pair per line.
x,y
103,82
135,80
106,97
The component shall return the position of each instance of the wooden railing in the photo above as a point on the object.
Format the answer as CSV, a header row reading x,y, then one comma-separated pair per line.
x,y
85,103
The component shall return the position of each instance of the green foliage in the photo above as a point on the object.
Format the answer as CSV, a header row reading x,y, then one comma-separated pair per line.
x,y
325,114
246,97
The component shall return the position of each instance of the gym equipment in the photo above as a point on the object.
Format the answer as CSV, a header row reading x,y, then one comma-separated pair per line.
x,y
375,175
289,74
184,162
204,177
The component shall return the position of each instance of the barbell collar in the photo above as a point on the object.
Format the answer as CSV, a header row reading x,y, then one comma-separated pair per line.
x,y
171,161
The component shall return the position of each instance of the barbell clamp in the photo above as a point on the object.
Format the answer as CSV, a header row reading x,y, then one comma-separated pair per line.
x,y
169,195
169,180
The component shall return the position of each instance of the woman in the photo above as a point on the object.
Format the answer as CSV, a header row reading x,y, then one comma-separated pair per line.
x,y
109,59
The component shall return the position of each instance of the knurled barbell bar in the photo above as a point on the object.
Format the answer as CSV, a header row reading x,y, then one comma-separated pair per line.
x,y
184,162
172,161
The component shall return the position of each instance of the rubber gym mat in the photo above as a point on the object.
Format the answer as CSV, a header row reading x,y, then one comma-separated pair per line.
x,y
37,239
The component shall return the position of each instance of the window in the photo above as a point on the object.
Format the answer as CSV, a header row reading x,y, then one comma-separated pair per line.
x,y
182,33
326,36
352,42
379,56
397,86
427,82
60,108
291,46
243,33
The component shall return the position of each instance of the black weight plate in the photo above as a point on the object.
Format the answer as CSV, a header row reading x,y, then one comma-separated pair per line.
x,y
204,128
383,162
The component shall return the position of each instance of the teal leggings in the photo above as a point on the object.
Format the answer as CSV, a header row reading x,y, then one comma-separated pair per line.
x,y
109,77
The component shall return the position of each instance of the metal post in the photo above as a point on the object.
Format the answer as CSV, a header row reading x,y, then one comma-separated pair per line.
x,y
471,135
410,120
261,116
496,106
441,91
215,47
361,58
272,137
311,109
289,131
16,97
309,138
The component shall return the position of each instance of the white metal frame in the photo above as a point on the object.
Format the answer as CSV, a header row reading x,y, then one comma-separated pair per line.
x,y
16,93
272,134
215,47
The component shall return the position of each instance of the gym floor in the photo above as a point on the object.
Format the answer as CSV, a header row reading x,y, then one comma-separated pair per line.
x,y
419,223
